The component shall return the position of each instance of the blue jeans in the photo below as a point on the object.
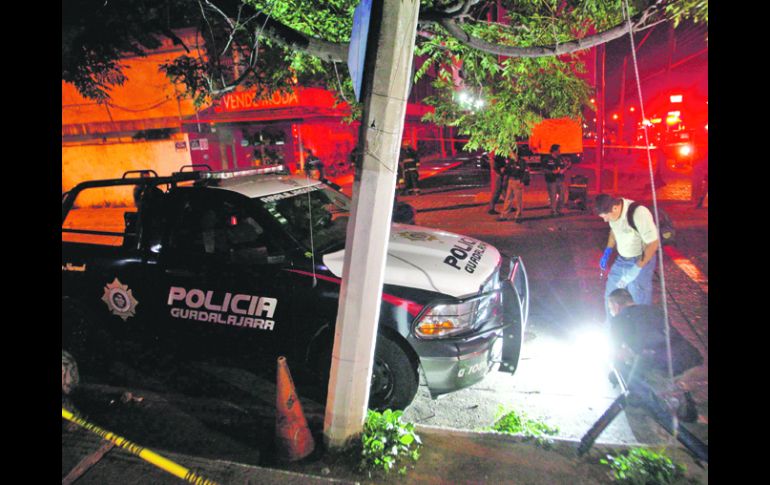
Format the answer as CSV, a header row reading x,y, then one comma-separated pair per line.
x,y
640,288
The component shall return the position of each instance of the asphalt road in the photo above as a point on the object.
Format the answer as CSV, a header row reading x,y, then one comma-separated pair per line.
x,y
210,410
560,380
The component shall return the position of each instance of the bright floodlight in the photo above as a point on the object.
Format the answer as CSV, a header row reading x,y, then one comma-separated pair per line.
x,y
578,362
592,344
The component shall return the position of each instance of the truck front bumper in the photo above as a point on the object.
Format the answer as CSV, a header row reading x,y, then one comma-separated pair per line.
x,y
464,363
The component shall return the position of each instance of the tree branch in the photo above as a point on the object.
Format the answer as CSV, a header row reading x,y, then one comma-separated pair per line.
x,y
543,51
288,37
338,52
457,10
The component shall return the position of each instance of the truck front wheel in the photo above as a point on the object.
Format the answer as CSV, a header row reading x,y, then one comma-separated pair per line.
x,y
394,379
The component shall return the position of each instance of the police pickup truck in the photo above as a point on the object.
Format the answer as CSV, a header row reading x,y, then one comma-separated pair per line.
x,y
246,265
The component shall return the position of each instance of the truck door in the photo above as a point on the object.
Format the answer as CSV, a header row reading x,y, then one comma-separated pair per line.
x,y
226,295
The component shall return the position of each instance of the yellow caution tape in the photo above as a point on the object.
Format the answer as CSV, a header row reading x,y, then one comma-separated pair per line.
x,y
140,451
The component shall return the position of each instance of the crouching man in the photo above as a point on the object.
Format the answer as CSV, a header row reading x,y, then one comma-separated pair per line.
x,y
638,339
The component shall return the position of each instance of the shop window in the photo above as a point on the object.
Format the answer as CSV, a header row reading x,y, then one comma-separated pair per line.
x,y
267,145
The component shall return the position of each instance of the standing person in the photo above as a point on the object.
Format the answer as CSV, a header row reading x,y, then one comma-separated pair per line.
x,y
554,167
699,181
516,172
635,263
501,184
313,164
410,162
637,333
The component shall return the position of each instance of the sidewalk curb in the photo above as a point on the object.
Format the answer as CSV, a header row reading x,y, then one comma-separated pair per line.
x,y
564,447
557,442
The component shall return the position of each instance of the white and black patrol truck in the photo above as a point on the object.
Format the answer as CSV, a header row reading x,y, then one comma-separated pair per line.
x,y
246,265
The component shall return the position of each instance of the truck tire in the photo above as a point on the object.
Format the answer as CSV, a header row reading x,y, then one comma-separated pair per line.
x,y
82,339
70,377
75,328
394,378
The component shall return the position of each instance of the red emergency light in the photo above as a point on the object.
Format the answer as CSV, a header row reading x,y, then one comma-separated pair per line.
x,y
685,150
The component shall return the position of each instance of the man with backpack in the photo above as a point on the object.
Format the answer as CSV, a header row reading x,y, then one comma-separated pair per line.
x,y
634,234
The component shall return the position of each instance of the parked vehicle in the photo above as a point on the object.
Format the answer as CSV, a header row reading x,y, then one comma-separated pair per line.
x,y
246,265
565,132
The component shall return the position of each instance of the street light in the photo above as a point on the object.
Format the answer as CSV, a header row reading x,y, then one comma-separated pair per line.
x,y
468,101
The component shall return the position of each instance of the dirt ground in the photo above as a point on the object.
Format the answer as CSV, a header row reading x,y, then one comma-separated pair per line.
x,y
450,456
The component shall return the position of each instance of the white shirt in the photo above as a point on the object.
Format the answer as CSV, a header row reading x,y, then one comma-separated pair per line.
x,y
630,243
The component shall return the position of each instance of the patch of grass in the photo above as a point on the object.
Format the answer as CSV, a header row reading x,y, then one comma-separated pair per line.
x,y
388,443
515,422
641,466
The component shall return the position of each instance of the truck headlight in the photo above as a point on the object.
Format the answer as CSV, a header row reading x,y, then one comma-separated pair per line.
x,y
447,319
443,320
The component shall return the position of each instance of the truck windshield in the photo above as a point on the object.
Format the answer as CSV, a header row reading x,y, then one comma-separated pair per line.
x,y
316,216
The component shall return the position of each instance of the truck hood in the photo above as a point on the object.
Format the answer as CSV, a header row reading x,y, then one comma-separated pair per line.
x,y
433,260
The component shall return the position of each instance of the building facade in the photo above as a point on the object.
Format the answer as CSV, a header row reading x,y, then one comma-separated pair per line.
x,y
149,123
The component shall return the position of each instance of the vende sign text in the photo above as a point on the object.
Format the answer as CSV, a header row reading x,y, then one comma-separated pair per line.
x,y
245,101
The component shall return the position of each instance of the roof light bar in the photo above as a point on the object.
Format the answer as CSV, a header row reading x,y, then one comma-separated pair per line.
x,y
231,174
228,174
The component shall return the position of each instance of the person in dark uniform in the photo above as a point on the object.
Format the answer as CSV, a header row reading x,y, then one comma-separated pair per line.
x,y
517,173
409,162
637,334
501,185
554,167
699,180
313,165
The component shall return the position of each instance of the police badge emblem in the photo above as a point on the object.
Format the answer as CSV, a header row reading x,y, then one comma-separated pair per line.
x,y
417,236
120,300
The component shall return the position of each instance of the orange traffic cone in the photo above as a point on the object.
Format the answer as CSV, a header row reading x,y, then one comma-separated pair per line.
x,y
292,435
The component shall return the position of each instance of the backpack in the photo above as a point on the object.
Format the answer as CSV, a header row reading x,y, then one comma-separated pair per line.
x,y
666,227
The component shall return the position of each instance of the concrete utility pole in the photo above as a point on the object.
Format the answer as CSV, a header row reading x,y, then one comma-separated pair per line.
x,y
389,56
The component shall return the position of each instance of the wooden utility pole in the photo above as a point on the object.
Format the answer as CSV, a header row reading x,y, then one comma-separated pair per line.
x,y
623,111
621,118
600,58
388,65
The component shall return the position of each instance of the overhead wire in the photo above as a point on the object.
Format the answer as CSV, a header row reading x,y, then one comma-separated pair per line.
x,y
661,270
